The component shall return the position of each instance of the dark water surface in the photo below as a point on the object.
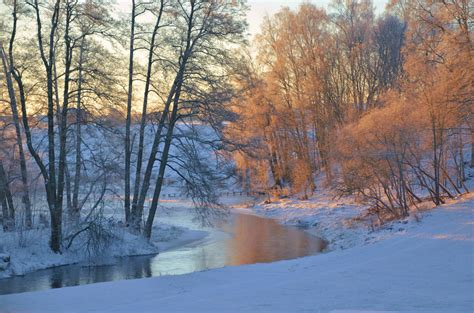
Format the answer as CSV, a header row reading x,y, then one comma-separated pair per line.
x,y
242,239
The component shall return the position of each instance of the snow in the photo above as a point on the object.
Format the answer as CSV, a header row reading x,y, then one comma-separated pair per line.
x,y
358,311
324,215
409,266
29,251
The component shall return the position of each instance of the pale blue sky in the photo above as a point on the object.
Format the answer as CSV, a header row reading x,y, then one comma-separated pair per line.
x,y
259,8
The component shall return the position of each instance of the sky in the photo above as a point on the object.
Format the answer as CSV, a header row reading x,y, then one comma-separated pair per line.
x,y
260,8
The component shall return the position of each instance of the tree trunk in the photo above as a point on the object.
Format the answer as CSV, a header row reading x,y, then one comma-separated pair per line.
x,y
472,148
161,172
128,149
16,121
75,208
436,164
58,121
58,206
50,178
144,113
136,216
6,200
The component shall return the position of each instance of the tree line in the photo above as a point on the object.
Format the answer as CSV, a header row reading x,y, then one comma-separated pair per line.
x,y
377,106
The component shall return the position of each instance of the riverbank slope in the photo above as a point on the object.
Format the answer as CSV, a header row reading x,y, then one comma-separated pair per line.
x,y
28,250
423,266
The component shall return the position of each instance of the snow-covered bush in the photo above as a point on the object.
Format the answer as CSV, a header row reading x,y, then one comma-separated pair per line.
x,y
92,236
396,156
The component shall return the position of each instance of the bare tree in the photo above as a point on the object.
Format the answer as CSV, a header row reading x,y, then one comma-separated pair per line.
x,y
201,26
151,59
8,68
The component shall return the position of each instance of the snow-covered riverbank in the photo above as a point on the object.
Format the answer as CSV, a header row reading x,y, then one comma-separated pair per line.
x,y
337,220
424,266
28,250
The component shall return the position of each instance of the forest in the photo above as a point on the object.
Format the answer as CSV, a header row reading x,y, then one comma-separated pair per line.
x,y
377,106
380,107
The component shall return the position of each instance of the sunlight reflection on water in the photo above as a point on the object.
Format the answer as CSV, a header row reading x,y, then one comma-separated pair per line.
x,y
241,239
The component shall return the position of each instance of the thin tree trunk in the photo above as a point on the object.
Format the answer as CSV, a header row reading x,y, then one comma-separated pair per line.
x,y
472,148
23,168
154,149
144,114
63,129
56,92
58,121
75,209
462,172
173,96
67,177
50,179
6,200
16,121
128,151
436,164
136,216
161,171
5,221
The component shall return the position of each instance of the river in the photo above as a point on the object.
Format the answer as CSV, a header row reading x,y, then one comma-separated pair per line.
x,y
239,239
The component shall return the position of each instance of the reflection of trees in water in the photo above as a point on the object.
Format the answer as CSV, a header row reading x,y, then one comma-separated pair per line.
x,y
142,269
264,240
128,268
74,275
57,279
253,240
